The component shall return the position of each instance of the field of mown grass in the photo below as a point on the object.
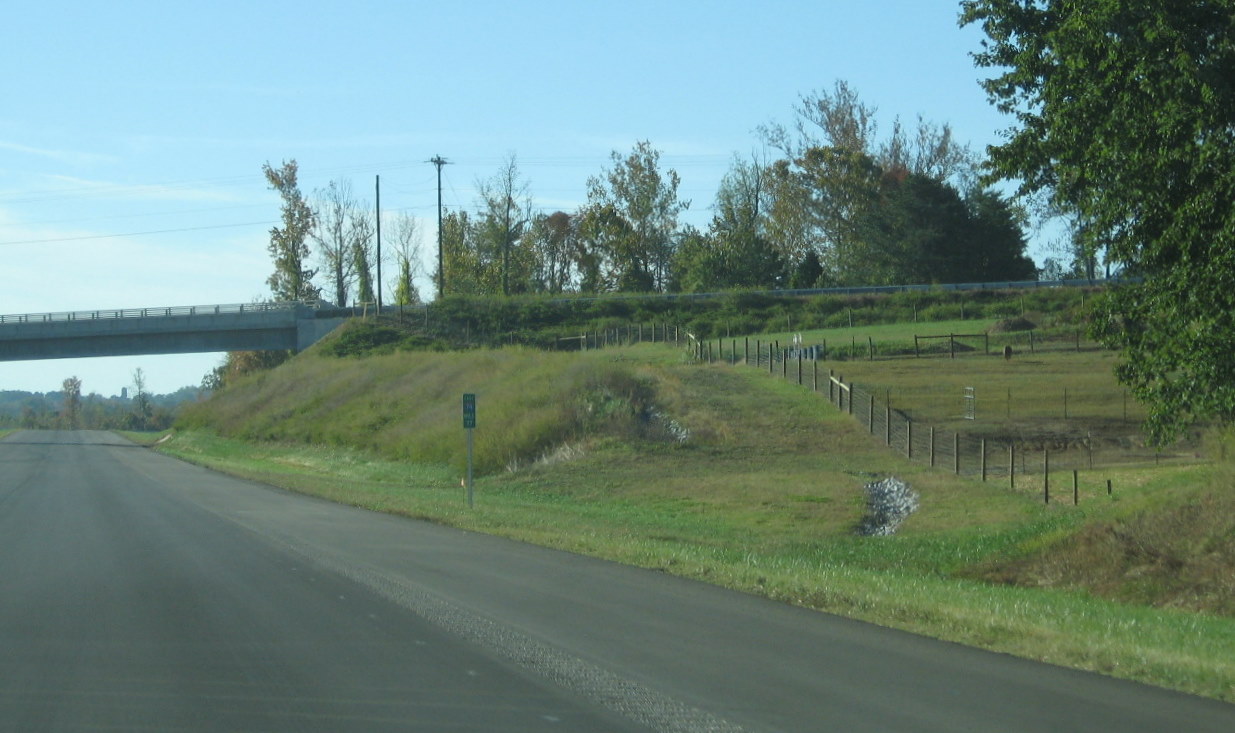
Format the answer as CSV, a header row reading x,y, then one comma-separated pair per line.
x,y
576,453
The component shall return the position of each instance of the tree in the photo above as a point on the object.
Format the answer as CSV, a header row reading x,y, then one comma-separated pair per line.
x,y
142,408
362,258
292,278
405,246
553,243
739,229
827,197
504,215
634,209
341,226
71,413
468,269
1126,117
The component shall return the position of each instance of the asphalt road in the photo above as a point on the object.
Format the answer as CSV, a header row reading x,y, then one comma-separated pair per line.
x,y
141,593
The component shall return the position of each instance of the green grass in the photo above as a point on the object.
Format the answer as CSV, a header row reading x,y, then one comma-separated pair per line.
x,y
762,498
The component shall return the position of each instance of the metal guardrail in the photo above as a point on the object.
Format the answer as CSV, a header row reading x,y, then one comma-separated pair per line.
x,y
192,310
120,313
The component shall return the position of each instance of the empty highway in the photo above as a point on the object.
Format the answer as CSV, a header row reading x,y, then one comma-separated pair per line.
x,y
142,593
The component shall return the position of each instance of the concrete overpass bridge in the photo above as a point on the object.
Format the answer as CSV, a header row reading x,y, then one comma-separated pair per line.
x,y
173,330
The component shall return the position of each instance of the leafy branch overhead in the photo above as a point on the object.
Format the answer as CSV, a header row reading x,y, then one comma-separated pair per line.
x,y
1126,120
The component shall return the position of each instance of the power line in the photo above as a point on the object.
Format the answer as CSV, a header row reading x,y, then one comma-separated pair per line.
x,y
137,234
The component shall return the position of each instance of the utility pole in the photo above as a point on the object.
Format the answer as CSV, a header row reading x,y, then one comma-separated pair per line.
x,y
439,161
377,190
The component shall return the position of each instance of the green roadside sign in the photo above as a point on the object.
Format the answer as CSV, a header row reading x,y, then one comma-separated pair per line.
x,y
469,410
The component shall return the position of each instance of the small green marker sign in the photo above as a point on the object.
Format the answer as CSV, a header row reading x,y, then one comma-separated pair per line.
x,y
469,410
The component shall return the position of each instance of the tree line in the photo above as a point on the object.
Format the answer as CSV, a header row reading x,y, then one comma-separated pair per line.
x,y
836,205
71,409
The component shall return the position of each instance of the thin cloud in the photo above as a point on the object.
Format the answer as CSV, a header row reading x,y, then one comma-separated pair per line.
x,y
63,156
71,186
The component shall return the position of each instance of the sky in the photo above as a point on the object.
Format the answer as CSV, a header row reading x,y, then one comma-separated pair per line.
x,y
133,134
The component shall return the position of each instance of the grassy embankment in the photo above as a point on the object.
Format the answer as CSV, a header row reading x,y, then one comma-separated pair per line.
x,y
580,452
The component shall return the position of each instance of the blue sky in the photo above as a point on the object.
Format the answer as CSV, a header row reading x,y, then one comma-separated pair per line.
x,y
132,134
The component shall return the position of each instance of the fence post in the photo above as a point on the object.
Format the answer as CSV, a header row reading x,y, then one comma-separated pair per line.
x,y
871,345
1046,475
799,367
956,453
1011,465
1076,492
932,449
983,449
784,364
915,344
814,375
746,352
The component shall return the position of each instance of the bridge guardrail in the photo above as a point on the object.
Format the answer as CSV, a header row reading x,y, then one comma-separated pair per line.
x,y
120,313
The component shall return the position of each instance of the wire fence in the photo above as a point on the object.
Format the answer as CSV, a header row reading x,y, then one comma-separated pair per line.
x,y
1071,460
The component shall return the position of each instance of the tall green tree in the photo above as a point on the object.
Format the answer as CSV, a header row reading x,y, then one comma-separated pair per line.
x,y
638,245
1125,115
504,216
292,278
71,414
362,264
553,241
469,269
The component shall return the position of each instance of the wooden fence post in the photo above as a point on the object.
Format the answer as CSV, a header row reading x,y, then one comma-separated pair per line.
x,y
983,449
1076,491
1011,465
1046,475
932,450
